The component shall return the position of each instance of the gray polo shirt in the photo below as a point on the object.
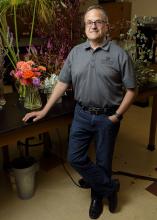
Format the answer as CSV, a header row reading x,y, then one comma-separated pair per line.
x,y
98,76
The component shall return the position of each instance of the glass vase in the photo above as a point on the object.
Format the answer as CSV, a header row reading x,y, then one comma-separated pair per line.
x,y
2,99
22,92
32,98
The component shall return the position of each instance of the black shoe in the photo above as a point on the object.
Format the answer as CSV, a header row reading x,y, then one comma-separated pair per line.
x,y
96,208
113,198
83,184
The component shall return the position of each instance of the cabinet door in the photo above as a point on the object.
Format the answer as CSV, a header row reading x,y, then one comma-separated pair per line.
x,y
119,13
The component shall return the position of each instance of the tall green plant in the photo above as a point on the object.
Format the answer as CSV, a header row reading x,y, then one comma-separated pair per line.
x,y
39,8
43,9
5,7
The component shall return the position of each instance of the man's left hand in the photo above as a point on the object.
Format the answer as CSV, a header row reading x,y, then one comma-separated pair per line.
x,y
113,118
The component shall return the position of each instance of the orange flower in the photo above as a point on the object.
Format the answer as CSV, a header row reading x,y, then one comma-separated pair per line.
x,y
28,74
22,65
41,68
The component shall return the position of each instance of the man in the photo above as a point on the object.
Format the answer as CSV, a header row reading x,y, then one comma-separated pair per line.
x,y
99,70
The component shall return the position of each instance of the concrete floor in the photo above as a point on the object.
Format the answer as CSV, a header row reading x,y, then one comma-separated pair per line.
x,y
57,198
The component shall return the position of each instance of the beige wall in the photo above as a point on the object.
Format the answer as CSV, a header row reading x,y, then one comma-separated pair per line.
x,y
87,3
139,7
144,7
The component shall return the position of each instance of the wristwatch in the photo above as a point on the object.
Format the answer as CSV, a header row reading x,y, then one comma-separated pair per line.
x,y
118,116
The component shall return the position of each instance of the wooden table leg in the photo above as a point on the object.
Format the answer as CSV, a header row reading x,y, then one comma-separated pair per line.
x,y
6,158
47,144
153,124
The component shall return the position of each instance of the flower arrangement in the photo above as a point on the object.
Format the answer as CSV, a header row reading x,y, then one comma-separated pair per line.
x,y
136,43
28,73
29,77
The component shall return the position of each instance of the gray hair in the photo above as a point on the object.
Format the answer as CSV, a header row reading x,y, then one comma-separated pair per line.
x,y
98,7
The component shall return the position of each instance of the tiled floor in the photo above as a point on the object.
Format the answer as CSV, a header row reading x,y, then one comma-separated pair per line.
x,y
57,198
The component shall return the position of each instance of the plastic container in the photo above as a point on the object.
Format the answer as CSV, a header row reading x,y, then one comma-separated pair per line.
x,y
24,170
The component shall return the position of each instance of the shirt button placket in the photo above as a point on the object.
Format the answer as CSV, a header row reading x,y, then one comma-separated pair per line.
x,y
92,60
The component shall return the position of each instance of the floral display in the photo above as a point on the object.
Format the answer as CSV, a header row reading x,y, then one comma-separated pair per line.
x,y
30,78
59,31
136,43
47,46
28,73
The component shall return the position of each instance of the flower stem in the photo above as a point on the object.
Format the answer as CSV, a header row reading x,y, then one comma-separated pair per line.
x,y
16,34
32,28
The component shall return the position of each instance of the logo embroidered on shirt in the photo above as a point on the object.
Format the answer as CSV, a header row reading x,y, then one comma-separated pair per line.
x,y
107,60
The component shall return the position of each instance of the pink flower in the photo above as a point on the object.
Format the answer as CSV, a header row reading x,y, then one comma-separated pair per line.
x,y
18,74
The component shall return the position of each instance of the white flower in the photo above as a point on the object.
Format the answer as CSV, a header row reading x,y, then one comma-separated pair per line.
x,y
50,83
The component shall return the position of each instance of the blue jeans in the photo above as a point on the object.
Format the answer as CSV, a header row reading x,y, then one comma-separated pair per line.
x,y
85,127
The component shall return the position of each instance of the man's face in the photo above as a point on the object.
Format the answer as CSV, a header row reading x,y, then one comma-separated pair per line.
x,y
96,26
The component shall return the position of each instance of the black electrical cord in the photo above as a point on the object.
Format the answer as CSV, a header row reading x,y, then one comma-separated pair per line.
x,y
134,175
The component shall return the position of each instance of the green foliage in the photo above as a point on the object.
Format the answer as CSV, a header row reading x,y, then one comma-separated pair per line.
x,y
135,43
55,23
2,55
41,9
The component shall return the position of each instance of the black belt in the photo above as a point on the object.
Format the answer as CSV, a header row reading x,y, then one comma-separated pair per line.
x,y
107,110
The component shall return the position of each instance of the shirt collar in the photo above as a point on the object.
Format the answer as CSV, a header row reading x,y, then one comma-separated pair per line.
x,y
105,46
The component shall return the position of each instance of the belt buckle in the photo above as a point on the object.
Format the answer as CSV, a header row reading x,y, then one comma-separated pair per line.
x,y
94,110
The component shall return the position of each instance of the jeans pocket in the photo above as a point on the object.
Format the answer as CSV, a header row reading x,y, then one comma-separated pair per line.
x,y
80,114
111,122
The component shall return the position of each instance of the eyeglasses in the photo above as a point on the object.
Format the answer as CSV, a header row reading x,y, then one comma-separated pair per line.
x,y
98,23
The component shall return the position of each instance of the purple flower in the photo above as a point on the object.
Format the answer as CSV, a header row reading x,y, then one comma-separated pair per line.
x,y
49,44
36,81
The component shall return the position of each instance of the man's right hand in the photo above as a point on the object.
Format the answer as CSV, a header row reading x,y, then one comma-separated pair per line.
x,y
59,90
37,115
